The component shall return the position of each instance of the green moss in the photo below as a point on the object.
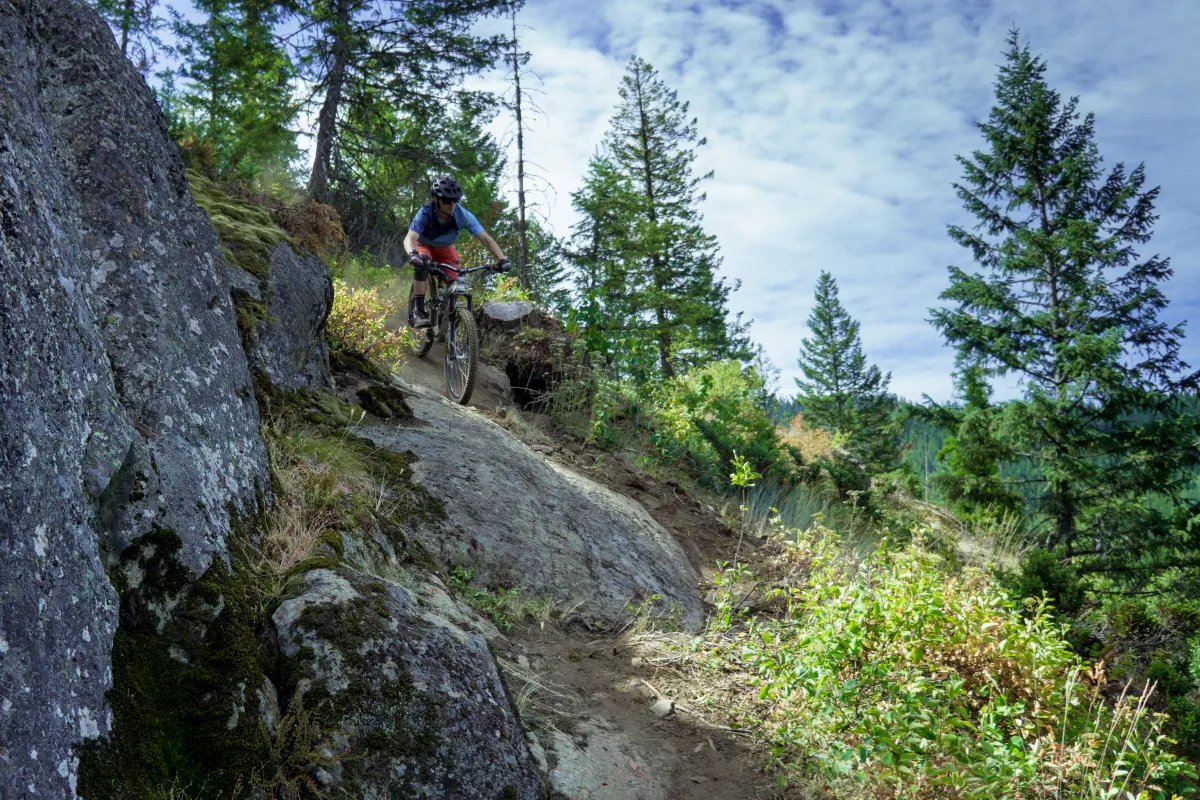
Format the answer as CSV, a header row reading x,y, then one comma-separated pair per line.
x,y
329,442
345,362
391,722
247,232
333,539
384,401
183,698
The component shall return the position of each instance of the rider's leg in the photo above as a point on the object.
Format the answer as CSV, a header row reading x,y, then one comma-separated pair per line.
x,y
420,286
444,255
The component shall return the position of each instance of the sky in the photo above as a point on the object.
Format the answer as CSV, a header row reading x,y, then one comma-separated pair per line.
x,y
832,130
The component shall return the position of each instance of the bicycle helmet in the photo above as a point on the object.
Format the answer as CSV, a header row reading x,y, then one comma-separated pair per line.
x,y
447,188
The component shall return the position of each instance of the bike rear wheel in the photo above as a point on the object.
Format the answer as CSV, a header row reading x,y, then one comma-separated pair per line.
x,y
462,355
424,339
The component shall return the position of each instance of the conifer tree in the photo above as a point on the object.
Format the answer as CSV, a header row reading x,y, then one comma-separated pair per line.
x,y
840,392
1065,302
971,456
238,92
598,251
679,304
369,60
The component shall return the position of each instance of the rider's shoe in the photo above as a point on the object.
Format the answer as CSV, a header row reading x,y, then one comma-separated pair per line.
x,y
420,321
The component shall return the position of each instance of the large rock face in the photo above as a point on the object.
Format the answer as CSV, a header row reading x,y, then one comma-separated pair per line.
x,y
127,404
290,344
522,521
414,704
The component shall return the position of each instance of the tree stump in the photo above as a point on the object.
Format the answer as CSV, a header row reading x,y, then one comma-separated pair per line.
x,y
509,315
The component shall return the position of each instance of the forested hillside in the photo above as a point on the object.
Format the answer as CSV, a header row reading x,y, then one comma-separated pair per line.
x,y
975,598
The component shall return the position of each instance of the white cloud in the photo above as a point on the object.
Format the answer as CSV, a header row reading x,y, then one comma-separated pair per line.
x,y
832,130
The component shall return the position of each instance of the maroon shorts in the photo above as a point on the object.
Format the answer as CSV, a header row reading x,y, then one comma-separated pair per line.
x,y
446,255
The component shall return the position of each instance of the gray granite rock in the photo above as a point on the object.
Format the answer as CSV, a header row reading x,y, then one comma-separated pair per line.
x,y
289,345
413,706
521,520
125,399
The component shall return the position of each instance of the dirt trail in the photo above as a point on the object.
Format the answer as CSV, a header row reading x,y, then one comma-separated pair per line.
x,y
491,384
590,710
594,718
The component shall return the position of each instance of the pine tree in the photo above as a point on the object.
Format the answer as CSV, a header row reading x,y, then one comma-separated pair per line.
x,y
238,93
599,250
680,305
1065,303
840,392
971,456
378,64
548,275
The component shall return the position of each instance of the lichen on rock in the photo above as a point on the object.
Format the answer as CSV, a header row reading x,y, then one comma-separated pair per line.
x,y
128,405
415,700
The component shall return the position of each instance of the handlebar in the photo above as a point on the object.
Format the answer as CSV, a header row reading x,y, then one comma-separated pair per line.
x,y
441,266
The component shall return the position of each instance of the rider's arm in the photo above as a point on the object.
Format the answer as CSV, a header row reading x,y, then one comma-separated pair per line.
x,y
410,241
490,244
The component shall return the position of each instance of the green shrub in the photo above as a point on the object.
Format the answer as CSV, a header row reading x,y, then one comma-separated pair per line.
x,y
357,325
704,417
1043,574
906,680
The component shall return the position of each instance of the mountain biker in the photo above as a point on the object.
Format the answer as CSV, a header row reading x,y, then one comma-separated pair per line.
x,y
431,237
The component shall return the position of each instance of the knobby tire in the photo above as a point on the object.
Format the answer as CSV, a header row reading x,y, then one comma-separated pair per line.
x,y
462,355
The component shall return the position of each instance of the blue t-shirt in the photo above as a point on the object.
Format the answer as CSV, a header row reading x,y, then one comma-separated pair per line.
x,y
435,233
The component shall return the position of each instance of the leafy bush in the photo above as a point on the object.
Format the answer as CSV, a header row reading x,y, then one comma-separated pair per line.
x,y
713,412
356,325
813,443
907,681
509,288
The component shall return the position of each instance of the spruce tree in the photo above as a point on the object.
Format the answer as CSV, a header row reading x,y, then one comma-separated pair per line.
x,y
238,91
1065,303
599,250
971,456
679,304
840,392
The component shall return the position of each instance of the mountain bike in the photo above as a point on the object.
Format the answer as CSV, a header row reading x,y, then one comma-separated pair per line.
x,y
451,321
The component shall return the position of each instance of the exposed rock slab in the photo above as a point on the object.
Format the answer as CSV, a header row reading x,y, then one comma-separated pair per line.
x,y
510,311
521,520
127,404
414,701
597,762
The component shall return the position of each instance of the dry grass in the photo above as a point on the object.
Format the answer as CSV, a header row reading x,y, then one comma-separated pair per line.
x,y
538,695
317,485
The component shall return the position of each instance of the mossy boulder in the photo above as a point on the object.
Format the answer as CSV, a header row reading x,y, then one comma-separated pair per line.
x,y
412,706
128,405
282,312
191,690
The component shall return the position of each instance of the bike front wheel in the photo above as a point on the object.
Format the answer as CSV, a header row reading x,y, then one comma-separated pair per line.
x,y
462,355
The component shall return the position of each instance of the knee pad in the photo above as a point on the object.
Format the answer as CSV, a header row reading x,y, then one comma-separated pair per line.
x,y
420,273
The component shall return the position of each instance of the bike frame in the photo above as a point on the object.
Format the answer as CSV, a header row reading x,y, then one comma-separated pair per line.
x,y
437,276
